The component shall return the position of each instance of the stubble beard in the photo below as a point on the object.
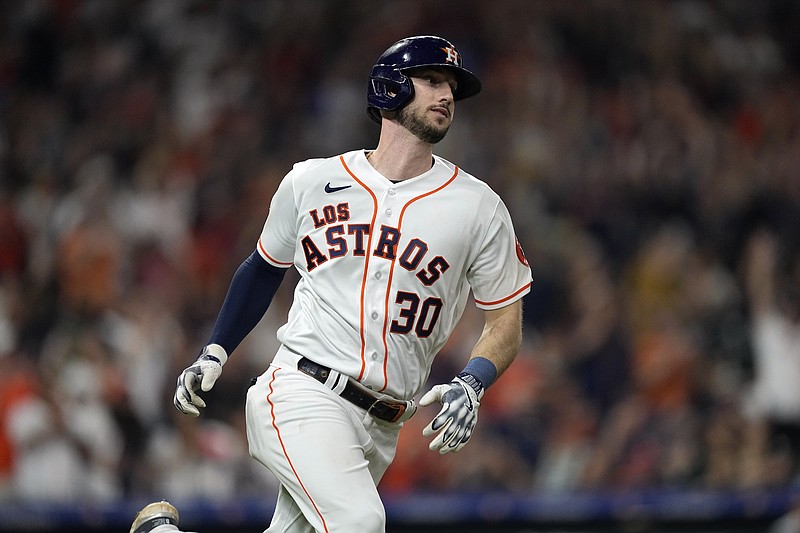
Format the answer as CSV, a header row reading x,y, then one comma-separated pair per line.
x,y
424,131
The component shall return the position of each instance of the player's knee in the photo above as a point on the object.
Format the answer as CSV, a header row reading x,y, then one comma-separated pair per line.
x,y
373,522
366,520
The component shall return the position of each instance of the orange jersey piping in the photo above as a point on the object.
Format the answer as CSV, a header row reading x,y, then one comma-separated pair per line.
x,y
286,454
504,299
367,255
272,259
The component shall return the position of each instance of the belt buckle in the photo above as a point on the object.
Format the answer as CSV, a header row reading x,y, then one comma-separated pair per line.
x,y
398,407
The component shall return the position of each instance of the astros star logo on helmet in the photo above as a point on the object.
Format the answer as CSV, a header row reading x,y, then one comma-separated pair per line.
x,y
452,54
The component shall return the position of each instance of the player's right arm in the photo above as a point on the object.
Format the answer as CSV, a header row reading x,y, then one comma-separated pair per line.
x,y
251,291
249,296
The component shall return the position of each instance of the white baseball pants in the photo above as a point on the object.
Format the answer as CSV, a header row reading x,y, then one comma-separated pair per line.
x,y
327,453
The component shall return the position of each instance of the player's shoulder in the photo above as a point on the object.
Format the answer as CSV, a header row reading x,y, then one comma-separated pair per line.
x,y
467,181
311,171
312,164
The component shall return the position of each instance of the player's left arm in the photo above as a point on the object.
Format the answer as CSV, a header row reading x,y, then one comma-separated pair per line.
x,y
493,353
501,338
499,273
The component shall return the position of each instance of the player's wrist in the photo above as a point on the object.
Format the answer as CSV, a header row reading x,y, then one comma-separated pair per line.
x,y
215,352
470,383
481,370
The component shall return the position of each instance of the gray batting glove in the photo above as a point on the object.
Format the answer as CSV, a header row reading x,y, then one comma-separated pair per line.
x,y
460,400
200,376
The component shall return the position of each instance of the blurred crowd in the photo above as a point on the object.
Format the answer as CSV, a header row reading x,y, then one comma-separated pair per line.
x,y
649,153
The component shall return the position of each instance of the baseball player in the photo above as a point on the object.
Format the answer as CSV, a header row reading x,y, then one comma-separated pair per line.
x,y
388,243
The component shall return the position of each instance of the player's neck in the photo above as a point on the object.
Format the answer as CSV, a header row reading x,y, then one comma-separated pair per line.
x,y
400,155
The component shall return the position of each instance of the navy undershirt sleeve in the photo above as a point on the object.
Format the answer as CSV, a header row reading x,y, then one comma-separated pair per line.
x,y
251,291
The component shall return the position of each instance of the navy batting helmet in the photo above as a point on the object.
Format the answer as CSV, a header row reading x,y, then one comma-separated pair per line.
x,y
390,89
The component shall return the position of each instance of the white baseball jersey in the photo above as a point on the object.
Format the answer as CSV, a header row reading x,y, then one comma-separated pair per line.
x,y
386,268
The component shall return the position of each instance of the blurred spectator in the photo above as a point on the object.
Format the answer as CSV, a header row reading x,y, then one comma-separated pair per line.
x,y
18,386
789,522
774,301
200,459
65,441
48,462
598,347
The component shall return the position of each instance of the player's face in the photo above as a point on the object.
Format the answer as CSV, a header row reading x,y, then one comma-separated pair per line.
x,y
430,113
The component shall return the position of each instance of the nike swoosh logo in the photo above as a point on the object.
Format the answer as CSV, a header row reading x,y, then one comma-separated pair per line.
x,y
329,189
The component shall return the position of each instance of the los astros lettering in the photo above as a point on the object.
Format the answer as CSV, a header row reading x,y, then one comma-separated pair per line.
x,y
342,238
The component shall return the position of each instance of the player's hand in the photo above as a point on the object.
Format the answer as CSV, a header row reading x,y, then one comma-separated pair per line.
x,y
454,423
201,375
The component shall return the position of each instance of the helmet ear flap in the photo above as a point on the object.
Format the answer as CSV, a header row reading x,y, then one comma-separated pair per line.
x,y
389,90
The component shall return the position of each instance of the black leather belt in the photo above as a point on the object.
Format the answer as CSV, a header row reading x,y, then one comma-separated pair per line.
x,y
377,407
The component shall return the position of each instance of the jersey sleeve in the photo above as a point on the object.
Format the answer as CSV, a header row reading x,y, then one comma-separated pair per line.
x,y
500,274
276,244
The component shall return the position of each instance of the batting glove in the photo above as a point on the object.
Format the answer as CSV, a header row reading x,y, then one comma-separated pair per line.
x,y
200,376
460,400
